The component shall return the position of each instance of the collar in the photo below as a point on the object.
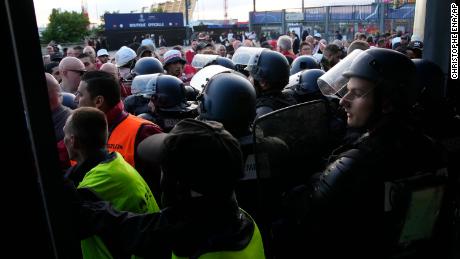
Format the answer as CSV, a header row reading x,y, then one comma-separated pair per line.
x,y
116,114
77,173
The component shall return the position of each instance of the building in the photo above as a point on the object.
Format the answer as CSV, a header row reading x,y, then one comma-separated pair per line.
x,y
175,6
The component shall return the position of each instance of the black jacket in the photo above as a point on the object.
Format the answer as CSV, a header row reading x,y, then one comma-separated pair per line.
x,y
190,229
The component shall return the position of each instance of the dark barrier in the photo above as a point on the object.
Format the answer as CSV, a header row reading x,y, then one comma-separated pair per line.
x,y
118,38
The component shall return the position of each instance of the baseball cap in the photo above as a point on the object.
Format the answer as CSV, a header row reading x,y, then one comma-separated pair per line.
x,y
415,45
202,45
124,55
317,35
200,153
172,56
102,52
415,37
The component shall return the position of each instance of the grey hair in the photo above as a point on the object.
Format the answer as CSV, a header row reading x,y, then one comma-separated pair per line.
x,y
285,42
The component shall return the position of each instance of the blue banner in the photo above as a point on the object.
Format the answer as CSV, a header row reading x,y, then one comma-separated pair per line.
x,y
132,21
407,11
366,12
266,17
341,12
315,14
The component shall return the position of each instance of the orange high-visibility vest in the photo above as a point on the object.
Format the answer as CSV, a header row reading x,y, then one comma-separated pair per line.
x,y
123,137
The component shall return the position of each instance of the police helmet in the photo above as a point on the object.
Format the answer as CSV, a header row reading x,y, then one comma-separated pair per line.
x,y
147,65
168,93
429,81
191,93
304,62
141,85
308,82
270,66
225,62
391,71
229,98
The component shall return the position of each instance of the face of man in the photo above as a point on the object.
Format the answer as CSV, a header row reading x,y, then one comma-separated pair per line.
x,y
70,53
222,51
305,50
72,78
194,44
147,53
404,41
103,59
83,98
55,72
89,66
175,69
330,59
358,102
69,139
50,49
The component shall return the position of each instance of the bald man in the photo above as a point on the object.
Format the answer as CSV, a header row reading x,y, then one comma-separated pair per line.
x,y
90,51
59,112
110,68
70,69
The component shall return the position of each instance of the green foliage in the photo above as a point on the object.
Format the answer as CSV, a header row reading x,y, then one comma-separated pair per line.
x,y
66,27
156,10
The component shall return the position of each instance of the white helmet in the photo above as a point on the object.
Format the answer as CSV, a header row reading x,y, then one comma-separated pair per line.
x,y
124,55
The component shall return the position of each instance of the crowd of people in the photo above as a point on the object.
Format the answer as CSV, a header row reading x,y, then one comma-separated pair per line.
x,y
164,147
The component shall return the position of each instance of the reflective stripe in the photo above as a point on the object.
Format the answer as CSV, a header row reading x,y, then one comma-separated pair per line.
x,y
254,250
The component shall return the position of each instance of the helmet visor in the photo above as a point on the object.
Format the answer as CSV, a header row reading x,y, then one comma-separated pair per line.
x,y
202,77
246,55
333,83
293,80
144,85
201,60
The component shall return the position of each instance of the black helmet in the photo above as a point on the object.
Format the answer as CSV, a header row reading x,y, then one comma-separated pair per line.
x,y
303,62
392,71
204,60
225,62
148,65
191,93
141,85
270,66
429,81
168,93
308,82
230,99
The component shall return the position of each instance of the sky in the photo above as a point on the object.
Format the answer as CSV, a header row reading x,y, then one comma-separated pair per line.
x,y
205,9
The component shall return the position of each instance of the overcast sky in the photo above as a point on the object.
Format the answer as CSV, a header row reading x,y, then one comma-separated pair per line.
x,y
205,9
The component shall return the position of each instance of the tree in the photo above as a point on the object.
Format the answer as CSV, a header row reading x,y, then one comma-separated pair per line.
x,y
66,26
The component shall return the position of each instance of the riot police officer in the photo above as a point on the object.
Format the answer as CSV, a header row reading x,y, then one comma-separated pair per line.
x,y
137,103
168,104
304,62
229,98
304,87
147,65
269,72
343,205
